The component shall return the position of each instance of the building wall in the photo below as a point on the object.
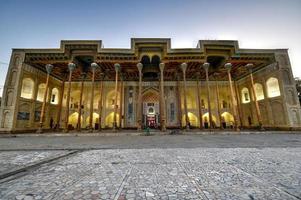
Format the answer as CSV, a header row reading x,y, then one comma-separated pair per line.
x,y
18,113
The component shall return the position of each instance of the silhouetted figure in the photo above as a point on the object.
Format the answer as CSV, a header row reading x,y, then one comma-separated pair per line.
x,y
51,123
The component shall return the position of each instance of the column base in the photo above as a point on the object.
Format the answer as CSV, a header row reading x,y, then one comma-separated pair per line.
x,y
39,130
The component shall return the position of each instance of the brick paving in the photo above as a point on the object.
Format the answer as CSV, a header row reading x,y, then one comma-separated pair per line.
x,y
160,173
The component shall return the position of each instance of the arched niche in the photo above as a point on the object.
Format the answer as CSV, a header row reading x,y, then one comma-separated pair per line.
x,y
245,95
95,119
54,96
206,118
273,87
110,99
155,61
17,61
228,118
193,119
41,92
9,98
291,97
109,120
27,88
73,118
5,120
13,78
259,91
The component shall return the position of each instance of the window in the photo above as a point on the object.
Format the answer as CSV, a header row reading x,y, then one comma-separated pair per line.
x,y
41,92
172,112
273,87
258,91
27,88
54,96
245,95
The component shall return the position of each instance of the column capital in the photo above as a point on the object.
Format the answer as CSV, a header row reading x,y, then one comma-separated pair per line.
x,y
249,67
228,66
140,66
71,66
94,66
49,68
184,67
206,66
117,67
161,66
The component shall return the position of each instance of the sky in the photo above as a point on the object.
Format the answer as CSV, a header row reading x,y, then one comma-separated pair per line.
x,y
264,24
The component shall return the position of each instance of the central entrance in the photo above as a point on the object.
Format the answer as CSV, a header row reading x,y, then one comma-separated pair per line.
x,y
151,108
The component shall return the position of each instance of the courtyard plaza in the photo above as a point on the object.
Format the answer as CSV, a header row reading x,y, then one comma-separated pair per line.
x,y
223,165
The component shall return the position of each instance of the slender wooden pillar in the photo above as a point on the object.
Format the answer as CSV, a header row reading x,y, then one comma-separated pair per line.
x,y
59,113
120,103
93,68
100,102
199,100
117,69
179,100
240,112
228,66
162,97
139,106
71,67
79,121
49,68
206,67
184,67
217,100
258,114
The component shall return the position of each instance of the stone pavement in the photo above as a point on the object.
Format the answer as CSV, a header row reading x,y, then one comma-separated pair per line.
x,y
160,173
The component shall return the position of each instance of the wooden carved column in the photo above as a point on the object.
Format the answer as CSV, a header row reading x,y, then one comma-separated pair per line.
x,y
199,100
100,102
228,66
179,100
162,97
217,99
139,106
117,69
258,114
121,102
79,121
93,68
206,67
59,113
71,67
49,68
184,67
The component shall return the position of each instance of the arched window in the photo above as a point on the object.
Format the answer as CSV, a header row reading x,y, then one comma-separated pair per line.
x,y
258,91
245,96
27,88
54,96
156,60
273,87
41,92
145,60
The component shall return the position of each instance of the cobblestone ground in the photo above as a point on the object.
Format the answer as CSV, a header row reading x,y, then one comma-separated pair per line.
x,y
169,173
14,159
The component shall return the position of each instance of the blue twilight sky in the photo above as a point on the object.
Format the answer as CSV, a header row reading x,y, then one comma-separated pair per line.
x,y
255,23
